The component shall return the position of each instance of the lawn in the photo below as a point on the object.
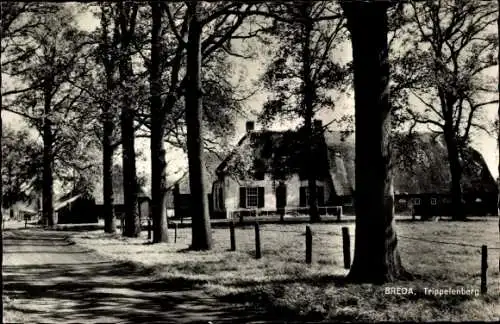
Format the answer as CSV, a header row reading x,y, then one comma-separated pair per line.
x,y
282,282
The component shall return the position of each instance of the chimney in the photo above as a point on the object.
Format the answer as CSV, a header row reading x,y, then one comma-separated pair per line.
x,y
250,126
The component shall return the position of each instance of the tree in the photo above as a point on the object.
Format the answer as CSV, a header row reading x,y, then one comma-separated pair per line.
x,y
449,46
13,25
107,56
127,20
498,118
167,121
202,235
57,47
21,157
376,257
303,75
158,115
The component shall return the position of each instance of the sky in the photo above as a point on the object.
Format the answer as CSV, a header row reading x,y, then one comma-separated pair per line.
x,y
177,161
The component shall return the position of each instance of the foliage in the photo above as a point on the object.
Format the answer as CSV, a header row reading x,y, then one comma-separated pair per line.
x,y
442,59
56,53
21,164
284,77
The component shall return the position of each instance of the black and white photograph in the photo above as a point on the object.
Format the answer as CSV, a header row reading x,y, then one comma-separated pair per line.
x,y
250,161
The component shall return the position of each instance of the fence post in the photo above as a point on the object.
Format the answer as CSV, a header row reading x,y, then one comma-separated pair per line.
x,y
339,213
484,267
175,232
308,245
258,253
347,247
241,217
232,236
122,224
149,228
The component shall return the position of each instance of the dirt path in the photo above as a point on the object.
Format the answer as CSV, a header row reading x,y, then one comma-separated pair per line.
x,y
48,279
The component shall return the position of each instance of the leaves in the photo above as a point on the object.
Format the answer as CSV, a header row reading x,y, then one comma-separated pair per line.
x,y
441,61
284,77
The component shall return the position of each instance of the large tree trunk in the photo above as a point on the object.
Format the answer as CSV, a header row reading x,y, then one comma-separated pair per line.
x,y
376,257
48,161
308,100
201,232
130,185
458,211
158,163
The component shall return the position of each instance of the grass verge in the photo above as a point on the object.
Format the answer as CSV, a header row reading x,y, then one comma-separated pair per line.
x,y
282,282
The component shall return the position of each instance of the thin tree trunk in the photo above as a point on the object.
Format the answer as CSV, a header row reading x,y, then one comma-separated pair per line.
x,y
1,204
107,170
498,121
376,257
108,124
201,231
48,180
158,163
308,97
458,211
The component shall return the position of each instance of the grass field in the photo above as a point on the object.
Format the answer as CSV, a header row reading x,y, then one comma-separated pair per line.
x,y
282,282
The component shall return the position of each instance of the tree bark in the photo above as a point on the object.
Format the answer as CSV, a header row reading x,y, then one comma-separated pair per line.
x,y
108,124
458,211
1,202
158,163
48,160
107,169
201,231
376,257
308,101
130,185
498,121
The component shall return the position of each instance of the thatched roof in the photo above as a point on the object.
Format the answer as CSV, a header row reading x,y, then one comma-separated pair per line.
x,y
420,161
420,165
273,152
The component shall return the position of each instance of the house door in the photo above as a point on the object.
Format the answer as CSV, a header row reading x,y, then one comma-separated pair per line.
x,y
281,199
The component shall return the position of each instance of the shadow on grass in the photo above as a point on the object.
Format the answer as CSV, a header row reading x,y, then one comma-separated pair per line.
x,y
102,291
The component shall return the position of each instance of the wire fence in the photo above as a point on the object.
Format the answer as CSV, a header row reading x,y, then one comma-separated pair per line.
x,y
331,245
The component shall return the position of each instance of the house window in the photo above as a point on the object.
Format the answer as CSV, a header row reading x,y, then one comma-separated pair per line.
x,y
251,197
416,201
304,196
433,201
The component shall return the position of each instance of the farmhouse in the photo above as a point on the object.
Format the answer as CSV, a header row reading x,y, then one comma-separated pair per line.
x,y
268,170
